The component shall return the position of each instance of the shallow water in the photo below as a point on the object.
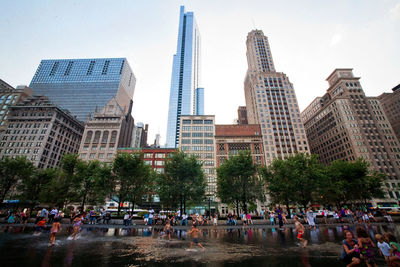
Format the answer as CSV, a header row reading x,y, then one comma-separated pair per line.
x,y
143,247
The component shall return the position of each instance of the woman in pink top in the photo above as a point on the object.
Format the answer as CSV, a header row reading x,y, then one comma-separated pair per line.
x,y
249,220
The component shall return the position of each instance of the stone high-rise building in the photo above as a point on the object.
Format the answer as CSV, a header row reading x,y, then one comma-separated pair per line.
x,y
242,115
197,138
271,102
391,105
40,131
344,124
10,96
109,129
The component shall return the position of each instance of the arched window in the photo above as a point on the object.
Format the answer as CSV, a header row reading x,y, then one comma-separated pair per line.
x,y
104,139
113,137
96,137
88,137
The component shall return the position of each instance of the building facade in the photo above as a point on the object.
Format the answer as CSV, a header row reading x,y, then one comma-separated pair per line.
x,y
197,139
242,115
185,76
199,96
231,139
391,105
154,157
82,85
344,124
271,102
40,131
109,129
10,96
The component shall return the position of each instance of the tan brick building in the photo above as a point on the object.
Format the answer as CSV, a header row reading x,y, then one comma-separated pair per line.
x,y
271,102
110,128
40,131
344,124
391,105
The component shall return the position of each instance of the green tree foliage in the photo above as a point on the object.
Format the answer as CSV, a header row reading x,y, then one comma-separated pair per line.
x,y
348,182
238,183
12,172
33,188
182,182
93,182
132,178
62,189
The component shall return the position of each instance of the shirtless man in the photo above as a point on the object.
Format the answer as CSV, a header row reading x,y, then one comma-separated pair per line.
x,y
195,234
300,231
77,226
168,230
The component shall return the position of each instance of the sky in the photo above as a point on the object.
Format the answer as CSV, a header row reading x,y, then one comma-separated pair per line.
x,y
308,40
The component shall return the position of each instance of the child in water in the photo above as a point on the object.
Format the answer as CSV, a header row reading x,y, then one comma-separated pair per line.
x,y
168,230
195,234
300,231
55,228
77,225
40,226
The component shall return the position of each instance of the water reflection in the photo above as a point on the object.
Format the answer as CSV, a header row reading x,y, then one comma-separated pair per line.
x,y
252,246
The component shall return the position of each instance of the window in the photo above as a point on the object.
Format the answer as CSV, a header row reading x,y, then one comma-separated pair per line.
x,y
160,155
88,137
113,137
109,155
83,155
96,137
91,156
197,121
104,139
159,163
209,141
185,134
148,155
208,122
101,156
186,121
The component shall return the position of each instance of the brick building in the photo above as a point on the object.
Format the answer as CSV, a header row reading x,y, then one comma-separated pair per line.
x,y
344,124
40,131
391,105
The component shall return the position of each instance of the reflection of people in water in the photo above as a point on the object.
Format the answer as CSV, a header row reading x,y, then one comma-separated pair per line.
x,y
47,257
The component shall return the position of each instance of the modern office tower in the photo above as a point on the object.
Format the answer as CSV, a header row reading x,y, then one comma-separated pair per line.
x,y
391,105
82,85
199,98
271,102
242,115
109,129
185,76
10,96
157,141
197,138
230,140
42,132
344,124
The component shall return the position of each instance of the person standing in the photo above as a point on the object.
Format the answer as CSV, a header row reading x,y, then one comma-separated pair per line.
x,y
52,214
384,248
310,218
216,219
151,216
280,218
126,219
249,220
272,218
262,213
77,225
55,228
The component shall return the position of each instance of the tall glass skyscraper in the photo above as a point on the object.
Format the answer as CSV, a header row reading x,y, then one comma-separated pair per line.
x,y
185,75
199,101
84,85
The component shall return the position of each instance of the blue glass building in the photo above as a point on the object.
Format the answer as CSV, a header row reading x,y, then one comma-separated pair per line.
x,y
185,75
199,100
84,85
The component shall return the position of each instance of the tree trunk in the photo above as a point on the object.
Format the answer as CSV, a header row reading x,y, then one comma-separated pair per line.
x,y
184,205
133,206
83,202
237,208
119,207
181,200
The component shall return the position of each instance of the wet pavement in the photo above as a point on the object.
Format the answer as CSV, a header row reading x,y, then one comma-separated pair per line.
x,y
256,246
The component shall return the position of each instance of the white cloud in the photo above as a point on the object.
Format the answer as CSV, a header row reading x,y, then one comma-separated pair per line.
x,y
336,38
395,12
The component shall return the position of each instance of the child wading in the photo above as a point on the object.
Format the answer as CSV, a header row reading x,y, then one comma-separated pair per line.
x,y
168,230
195,235
300,231
55,228
77,225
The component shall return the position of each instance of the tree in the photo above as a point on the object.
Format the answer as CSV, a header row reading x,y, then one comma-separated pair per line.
x,y
32,188
237,181
13,171
182,182
93,182
62,188
294,179
132,178
348,182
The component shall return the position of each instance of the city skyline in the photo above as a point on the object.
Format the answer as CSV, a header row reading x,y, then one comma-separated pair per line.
x,y
305,47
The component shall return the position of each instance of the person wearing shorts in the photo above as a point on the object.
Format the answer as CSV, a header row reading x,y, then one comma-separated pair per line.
x,y
300,231
195,235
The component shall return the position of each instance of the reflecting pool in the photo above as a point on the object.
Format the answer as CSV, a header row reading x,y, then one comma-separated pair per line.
x,y
252,246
